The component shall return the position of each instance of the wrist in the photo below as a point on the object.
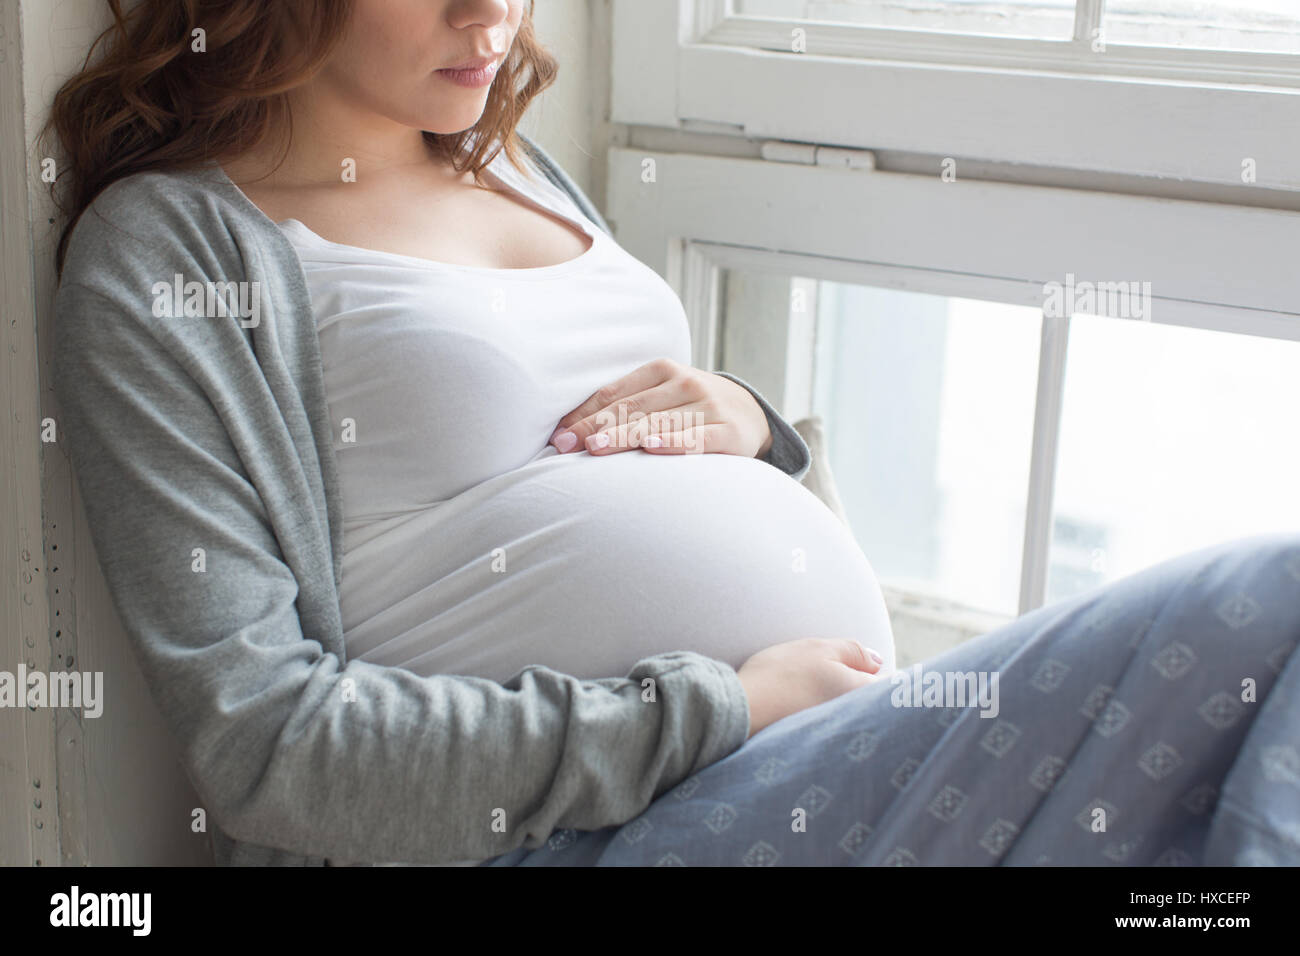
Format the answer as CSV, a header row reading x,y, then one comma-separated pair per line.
x,y
757,721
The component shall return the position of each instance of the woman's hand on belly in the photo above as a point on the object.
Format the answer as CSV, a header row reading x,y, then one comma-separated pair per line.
x,y
667,408
786,678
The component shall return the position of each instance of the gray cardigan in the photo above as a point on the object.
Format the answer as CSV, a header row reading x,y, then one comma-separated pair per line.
x,y
212,433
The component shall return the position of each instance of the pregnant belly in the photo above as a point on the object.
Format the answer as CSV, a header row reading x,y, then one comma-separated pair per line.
x,y
587,565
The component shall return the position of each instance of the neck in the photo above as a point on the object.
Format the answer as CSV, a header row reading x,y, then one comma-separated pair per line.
x,y
327,131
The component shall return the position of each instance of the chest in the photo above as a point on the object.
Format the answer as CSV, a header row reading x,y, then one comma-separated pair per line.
x,y
493,227
440,378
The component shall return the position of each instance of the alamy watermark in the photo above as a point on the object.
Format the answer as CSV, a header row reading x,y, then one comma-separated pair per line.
x,y
672,429
79,689
1116,300
130,910
914,687
208,300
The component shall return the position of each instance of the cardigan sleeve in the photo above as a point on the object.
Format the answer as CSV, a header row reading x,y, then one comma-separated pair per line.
x,y
288,745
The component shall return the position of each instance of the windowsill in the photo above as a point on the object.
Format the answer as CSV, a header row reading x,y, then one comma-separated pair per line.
x,y
926,625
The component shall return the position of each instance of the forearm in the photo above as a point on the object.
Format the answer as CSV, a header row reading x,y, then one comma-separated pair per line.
x,y
393,767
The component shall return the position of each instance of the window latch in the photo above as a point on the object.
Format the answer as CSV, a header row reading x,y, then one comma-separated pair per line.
x,y
808,154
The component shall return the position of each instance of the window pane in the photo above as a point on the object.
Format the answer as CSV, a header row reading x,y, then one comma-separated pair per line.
x,y
1255,25
928,404
1172,439
1032,18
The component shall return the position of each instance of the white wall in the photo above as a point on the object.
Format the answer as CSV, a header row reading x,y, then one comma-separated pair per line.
x,y
74,790
561,119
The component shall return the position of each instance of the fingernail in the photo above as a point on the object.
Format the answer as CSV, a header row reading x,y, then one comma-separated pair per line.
x,y
565,440
876,658
597,441
652,441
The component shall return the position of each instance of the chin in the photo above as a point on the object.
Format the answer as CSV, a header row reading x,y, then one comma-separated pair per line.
x,y
445,125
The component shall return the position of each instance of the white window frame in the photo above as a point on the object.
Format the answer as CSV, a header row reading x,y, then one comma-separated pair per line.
x,y
1211,265
1148,111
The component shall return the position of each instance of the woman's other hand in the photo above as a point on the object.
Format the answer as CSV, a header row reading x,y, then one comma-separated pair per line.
x,y
665,407
786,678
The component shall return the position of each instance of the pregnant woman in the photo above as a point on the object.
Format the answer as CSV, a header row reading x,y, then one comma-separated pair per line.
x,y
466,530
430,542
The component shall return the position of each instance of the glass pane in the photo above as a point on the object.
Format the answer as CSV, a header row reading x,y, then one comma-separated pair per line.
x,y
1031,18
1255,25
929,409
1172,439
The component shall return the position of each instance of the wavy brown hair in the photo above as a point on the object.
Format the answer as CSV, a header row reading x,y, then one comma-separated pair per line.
x,y
147,104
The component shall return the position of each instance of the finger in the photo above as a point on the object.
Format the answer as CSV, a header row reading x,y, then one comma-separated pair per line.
x,y
638,380
696,440
666,397
635,433
860,657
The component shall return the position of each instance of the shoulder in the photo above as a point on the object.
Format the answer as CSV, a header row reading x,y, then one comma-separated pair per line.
x,y
157,200
146,223
136,255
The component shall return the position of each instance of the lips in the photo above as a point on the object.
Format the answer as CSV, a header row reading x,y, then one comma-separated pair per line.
x,y
479,74
476,63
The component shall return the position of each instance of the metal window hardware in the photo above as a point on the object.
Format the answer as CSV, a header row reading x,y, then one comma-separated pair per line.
x,y
808,154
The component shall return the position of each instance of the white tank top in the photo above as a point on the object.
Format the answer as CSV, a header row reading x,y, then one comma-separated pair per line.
x,y
471,547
